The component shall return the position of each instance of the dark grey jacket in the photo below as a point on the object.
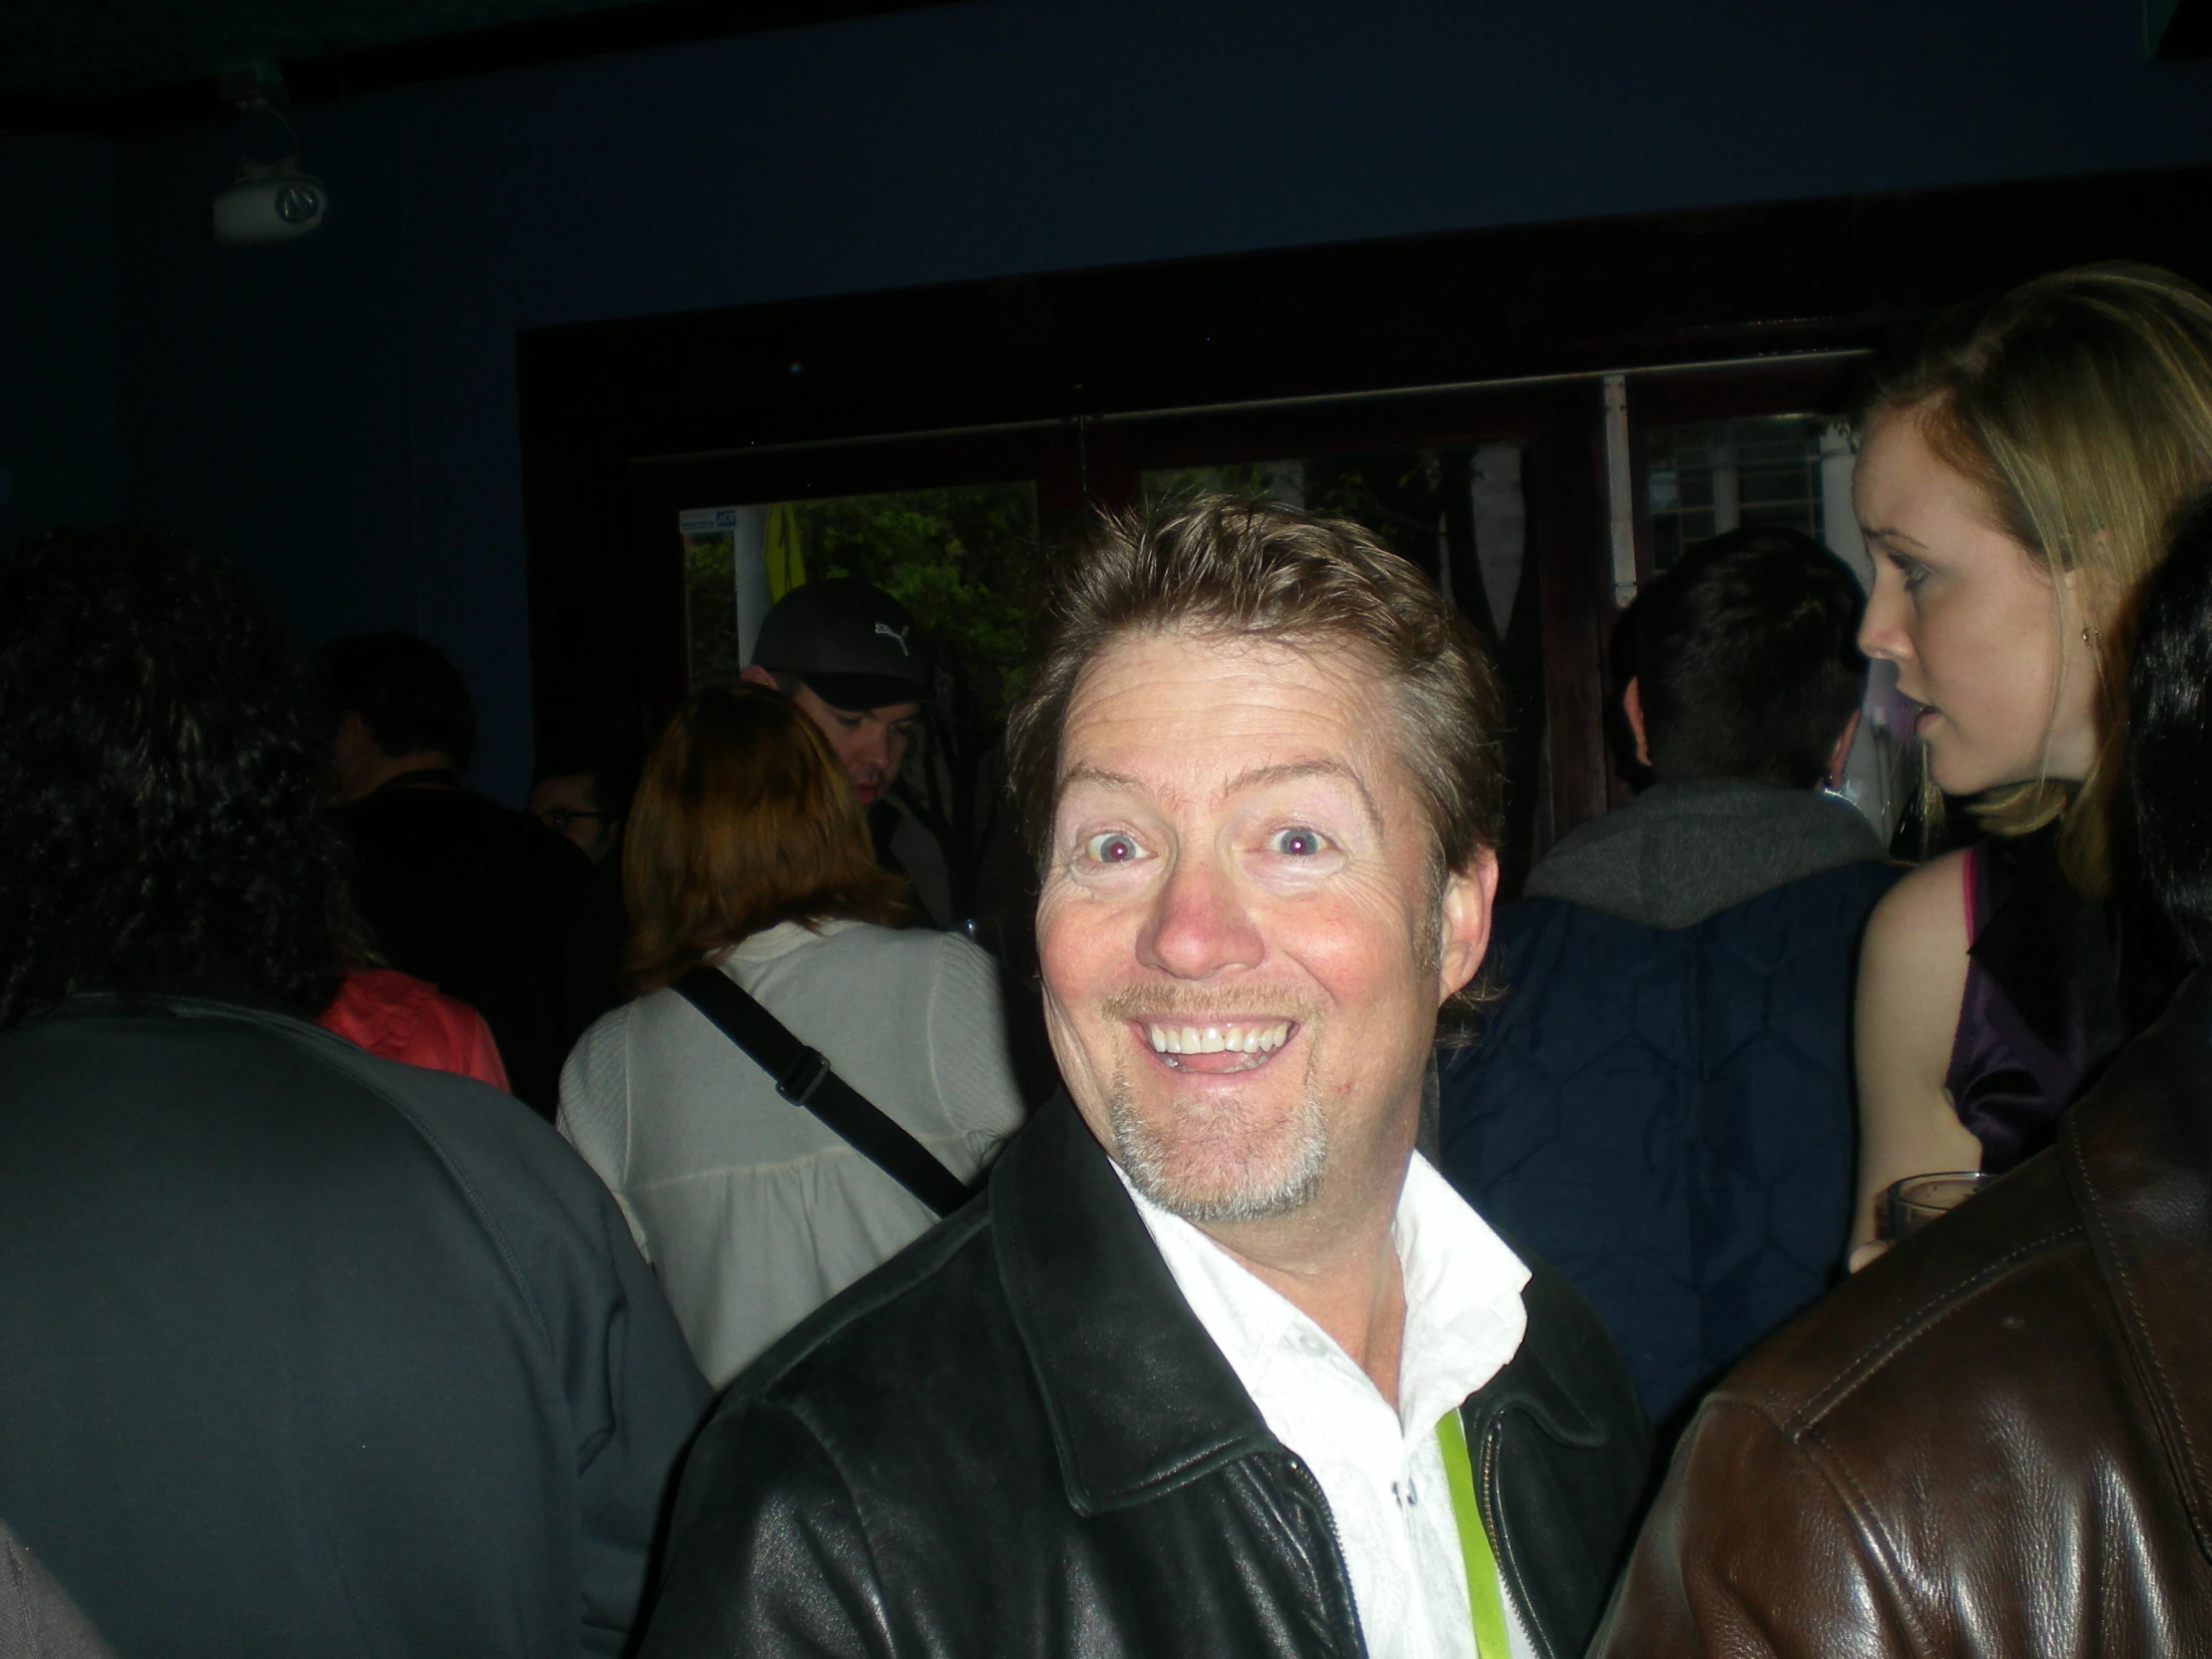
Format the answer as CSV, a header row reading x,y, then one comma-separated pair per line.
x,y
1017,1438
305,1352
37,1618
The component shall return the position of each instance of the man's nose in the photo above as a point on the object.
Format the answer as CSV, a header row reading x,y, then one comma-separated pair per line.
x,y
871,748
1200,924
1881,629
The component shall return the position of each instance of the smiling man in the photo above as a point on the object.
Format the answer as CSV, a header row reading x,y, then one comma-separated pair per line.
x,y
1218,1364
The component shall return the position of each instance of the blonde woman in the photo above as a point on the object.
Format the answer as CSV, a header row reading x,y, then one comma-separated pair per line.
x,y
2016,482
747,851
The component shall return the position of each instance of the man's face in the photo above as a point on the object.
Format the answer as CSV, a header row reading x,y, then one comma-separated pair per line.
x,y
1242,946
871,744
356,763
566,804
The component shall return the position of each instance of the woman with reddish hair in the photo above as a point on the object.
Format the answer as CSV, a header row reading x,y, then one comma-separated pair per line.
x,y
747,853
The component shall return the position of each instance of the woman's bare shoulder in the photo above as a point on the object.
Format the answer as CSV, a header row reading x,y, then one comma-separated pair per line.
x,y
1924,912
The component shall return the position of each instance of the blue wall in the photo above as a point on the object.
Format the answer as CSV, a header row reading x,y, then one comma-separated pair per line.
x,y
57,334
340,414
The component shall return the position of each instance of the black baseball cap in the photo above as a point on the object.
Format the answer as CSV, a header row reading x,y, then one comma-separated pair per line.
x,y
855,645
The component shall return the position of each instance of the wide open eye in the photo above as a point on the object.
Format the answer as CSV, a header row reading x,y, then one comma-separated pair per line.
x,y
1297,843
1112,847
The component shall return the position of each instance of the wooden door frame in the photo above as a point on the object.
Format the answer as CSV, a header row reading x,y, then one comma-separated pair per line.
x,y
1073,369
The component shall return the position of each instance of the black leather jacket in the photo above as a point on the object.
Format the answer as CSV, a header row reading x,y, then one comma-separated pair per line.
x,y
1015,1438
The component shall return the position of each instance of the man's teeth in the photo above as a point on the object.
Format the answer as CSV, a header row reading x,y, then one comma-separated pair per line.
x,y
1218,1039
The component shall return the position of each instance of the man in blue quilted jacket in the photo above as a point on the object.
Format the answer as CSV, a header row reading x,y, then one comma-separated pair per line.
x,y
1661,1105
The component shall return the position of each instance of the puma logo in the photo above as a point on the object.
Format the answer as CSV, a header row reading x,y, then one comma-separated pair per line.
x,y
898,633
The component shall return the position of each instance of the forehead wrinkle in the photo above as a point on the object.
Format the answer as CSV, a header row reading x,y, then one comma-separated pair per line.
x,y
1311,651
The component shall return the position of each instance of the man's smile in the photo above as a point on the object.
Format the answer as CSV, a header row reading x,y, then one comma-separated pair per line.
x,y
1215,1047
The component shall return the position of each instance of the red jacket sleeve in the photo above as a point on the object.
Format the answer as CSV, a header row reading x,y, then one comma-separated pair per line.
x,y
397,1018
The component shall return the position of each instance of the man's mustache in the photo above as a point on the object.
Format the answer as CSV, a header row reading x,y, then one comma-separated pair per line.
x,y
1180,1002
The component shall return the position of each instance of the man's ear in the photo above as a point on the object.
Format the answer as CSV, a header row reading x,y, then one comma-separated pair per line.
x,y
1465,926
1842,752
1632,704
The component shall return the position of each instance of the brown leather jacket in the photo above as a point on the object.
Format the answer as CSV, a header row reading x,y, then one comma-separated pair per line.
x,y
1993,1441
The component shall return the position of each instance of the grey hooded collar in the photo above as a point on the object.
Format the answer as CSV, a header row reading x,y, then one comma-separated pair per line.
x,y
1681,852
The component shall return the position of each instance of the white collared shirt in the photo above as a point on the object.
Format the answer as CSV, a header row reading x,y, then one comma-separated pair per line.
x,y
1380,1469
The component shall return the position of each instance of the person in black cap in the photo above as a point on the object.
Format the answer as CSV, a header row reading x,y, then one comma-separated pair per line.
x,y
850,655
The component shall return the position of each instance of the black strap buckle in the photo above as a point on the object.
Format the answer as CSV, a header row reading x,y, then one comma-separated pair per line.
x,y
798,1085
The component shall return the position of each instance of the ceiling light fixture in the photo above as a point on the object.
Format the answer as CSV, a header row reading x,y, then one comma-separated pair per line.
x,y
268,201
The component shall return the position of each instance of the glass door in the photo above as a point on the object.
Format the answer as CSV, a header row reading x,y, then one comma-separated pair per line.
x,y
963,559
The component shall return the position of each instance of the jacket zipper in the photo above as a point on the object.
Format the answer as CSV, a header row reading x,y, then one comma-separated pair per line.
x,y
1485,1502
1320,1501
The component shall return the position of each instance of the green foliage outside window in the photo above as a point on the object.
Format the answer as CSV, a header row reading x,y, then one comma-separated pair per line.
x,y
963,561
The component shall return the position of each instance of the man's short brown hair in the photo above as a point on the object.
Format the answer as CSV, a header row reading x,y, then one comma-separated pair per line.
x,y
1225,569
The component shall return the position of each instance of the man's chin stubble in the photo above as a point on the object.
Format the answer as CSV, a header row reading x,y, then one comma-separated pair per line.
x,y
1150,1162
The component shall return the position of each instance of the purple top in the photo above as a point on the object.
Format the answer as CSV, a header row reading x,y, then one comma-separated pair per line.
x,y
2006,1084
2040,1013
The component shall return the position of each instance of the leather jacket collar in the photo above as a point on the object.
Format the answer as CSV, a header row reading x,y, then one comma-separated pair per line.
x,y
2138,1174
1141,1403
1139,1399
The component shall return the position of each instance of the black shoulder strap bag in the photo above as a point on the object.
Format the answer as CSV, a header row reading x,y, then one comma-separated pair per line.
x,y
804,1078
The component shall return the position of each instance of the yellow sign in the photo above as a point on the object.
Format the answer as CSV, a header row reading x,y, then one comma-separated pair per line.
x,y
787,566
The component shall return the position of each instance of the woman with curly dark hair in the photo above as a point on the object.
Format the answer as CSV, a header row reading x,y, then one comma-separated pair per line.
x,y
161,781
166,832
307,1353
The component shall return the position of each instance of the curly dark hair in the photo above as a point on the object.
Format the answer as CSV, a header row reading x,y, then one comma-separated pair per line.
x,y
2169,759
160,783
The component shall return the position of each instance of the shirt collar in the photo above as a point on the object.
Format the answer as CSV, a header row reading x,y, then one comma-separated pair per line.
x,y
1464,1314
1464,1318
786,937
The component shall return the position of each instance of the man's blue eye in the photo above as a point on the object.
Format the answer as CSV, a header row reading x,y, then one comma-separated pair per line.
x,y
1300,843
1112,849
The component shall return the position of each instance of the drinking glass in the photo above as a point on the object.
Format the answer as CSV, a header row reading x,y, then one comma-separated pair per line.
x,y
1920,1199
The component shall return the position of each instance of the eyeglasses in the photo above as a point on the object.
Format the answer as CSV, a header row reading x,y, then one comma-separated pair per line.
x,y
558,819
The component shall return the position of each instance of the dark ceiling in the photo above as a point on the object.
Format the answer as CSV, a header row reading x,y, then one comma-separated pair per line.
x,y
105,48
106,65
111,64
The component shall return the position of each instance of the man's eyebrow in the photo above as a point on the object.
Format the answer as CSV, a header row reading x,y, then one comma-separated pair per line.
x,y
1097,776
1290,770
